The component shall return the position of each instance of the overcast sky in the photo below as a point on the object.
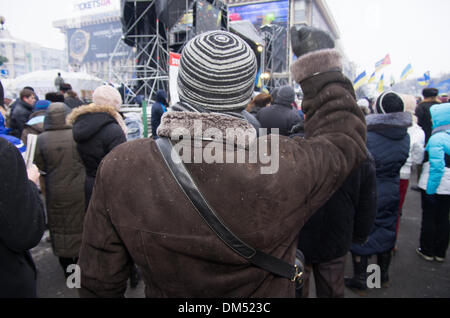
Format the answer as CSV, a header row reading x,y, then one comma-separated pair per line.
x,y
411,31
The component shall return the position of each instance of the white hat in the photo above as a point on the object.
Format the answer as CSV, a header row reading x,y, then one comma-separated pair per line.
x,y
107,96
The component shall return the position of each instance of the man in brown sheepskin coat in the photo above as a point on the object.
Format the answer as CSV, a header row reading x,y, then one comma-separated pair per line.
x,y
139,213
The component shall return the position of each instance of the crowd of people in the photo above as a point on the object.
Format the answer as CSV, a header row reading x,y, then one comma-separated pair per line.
x,y
117,208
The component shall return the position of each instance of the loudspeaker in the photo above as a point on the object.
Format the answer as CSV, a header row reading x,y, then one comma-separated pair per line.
x,y
170,11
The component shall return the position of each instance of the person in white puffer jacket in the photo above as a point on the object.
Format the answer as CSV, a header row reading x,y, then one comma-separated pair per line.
x,y
416,152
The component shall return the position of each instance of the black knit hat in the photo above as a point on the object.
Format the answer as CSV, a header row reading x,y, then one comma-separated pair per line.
x,y
389,102
217,72
430,92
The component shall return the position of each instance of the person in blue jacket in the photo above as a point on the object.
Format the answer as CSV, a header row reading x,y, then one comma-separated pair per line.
x,y
388,141
435,184
4,133
159,107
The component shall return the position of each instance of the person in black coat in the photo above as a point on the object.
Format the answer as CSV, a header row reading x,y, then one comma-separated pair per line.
x,y
281,114
97,129
21,223
159,107
423,110
326,238
21,112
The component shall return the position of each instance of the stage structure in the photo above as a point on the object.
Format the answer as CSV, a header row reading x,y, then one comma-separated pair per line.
x,y
271,20
149,27
275,73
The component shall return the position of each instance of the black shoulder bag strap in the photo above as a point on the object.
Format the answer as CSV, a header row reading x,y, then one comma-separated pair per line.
x,y
256,257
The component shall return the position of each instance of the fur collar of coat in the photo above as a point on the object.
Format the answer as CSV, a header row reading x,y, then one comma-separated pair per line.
x,y
401,120
176,124
93,108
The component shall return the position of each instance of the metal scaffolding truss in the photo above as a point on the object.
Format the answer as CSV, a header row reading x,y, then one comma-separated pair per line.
x,y
146,69
270,34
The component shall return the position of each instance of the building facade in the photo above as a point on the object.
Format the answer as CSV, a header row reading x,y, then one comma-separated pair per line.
x,y
93,31
25,57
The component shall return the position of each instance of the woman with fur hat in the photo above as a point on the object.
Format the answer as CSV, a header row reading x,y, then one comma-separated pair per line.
x,y
97,129
388,141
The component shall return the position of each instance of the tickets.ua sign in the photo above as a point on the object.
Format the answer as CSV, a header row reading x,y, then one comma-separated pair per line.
x,y
92,5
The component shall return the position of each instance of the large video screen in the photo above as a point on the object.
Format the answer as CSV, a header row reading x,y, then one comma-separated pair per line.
x,y
274,12
208,17
95,42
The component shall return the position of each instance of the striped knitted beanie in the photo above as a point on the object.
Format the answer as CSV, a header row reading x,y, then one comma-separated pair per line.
x,y
217,72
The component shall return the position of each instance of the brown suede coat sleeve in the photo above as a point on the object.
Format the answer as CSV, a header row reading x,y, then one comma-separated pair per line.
x,y
139,212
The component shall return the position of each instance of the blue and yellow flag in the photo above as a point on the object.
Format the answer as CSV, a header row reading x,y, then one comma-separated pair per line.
x,y
360,80
380,87
406,72
383,63
425,80
372,78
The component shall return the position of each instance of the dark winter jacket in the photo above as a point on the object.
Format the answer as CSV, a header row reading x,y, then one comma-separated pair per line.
x,y
96,130
73,102
159,107
255,110
424,117
34,125
347,217
176,251
388,141
22,222
281,116
56,155
19,116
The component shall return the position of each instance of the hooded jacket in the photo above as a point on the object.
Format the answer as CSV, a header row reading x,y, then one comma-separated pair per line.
x,y
22,224
97,129
388,141
138,211
57,156
159,107
435,177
